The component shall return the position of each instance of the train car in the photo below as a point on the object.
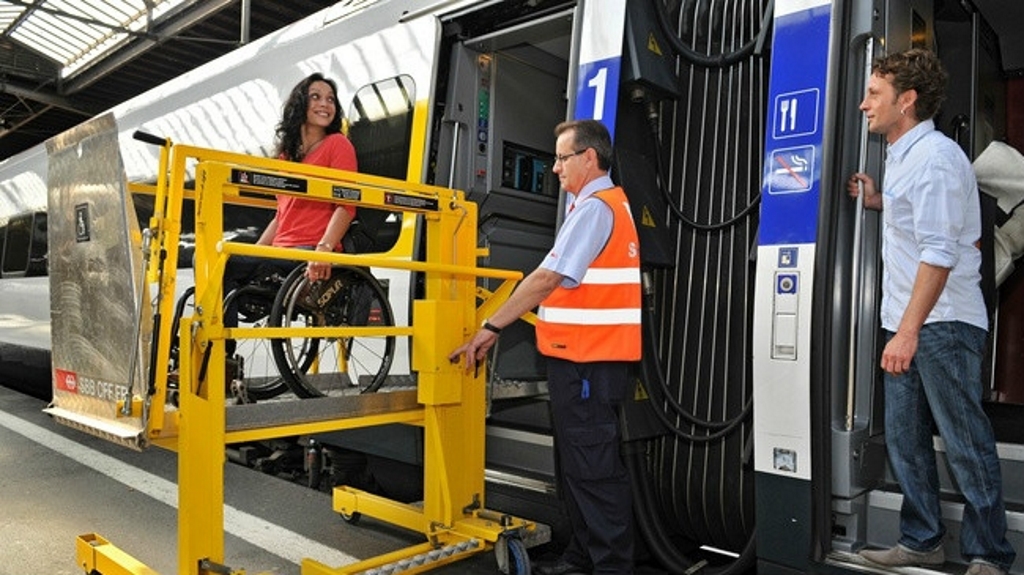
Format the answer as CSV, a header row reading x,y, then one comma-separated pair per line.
x,y
756,437
824,487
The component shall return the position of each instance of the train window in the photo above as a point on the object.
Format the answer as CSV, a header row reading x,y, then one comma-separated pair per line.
x,y
16,245
37,262
380,128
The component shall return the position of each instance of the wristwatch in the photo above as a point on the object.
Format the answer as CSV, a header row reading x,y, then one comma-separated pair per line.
x,y
491,327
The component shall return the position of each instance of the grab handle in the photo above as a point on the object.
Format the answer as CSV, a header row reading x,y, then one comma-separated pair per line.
x,y
857,256
149,138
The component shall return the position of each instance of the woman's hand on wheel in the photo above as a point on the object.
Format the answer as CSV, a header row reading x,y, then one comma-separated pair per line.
x,y
316,271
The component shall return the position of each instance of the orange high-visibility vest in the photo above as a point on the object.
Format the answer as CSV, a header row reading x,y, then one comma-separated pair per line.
x,y
599,320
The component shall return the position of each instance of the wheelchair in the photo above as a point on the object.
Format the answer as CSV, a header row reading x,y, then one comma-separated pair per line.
x,y
264,368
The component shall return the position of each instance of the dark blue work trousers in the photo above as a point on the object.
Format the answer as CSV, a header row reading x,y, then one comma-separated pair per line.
x,y
594,483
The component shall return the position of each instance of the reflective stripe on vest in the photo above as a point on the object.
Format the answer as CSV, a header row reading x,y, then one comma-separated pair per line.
x,y
599,320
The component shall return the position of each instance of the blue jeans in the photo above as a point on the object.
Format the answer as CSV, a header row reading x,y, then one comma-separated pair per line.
x,y
943,386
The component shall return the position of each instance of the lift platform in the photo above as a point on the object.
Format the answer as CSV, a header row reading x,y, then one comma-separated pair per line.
x,y
113,286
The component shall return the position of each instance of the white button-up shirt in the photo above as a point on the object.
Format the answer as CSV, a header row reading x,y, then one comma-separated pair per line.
x,y
932,215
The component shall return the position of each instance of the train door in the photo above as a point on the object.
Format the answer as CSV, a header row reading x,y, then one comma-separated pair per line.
x,y
506,90
823,487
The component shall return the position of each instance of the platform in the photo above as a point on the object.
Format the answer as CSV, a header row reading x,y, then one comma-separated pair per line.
x,y
57,483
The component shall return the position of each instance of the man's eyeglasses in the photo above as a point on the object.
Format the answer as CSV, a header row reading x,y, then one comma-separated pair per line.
x,y
561,158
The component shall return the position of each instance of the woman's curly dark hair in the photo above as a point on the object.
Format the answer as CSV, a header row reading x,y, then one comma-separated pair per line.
x,y
289,131
919,70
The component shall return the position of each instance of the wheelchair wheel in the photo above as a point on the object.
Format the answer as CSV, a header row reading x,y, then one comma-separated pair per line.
x,y
315,367
254,358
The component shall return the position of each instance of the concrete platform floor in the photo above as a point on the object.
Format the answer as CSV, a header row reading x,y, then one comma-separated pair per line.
x,y
57,483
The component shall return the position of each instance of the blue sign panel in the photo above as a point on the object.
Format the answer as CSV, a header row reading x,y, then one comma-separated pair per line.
x,y
793,138
600,59
597,90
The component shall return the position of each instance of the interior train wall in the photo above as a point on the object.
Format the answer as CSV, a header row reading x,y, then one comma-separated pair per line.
x,y
1010,326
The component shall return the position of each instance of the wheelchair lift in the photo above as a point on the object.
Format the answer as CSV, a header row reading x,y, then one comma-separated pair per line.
x,y
447,403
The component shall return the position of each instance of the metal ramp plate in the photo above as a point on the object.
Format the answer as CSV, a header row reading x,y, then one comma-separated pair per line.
x,y
278,413
95,261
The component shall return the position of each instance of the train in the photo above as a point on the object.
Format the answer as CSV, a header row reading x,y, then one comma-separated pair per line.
x,y
755,440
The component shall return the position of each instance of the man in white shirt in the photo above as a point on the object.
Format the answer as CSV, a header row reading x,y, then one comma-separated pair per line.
x,y
934,318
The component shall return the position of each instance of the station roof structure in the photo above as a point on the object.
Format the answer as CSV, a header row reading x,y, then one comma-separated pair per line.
x,y
65,61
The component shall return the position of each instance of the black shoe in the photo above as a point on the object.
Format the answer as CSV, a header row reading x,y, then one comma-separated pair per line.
x,y
557,567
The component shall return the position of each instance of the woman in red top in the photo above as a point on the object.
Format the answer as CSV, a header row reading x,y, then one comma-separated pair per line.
x,y
309,132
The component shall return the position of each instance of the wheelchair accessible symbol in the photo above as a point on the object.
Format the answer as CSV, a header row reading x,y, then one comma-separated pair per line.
x,y
791,170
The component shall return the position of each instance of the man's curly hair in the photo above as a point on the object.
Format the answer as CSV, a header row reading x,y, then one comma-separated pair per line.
x,y
919,70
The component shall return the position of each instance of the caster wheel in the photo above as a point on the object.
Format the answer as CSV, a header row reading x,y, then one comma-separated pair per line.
x,y
511,556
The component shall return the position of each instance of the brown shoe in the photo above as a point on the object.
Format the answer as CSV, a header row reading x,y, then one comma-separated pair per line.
x,y
900,556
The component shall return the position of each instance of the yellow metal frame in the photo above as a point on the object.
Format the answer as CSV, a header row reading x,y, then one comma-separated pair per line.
x,y
451,403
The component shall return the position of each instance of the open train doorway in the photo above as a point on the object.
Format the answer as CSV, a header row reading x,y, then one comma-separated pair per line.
x,y
507,90
501,88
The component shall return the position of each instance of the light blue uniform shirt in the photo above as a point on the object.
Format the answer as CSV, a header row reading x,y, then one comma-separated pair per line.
x,y
932,214
583,234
